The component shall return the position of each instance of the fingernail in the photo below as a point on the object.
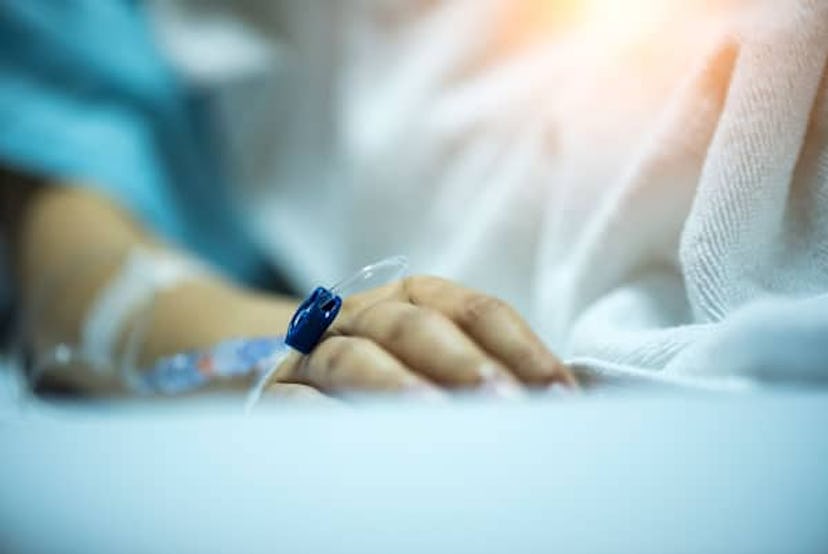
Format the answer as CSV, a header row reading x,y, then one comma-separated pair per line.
x,y
497,383
559,389
421,391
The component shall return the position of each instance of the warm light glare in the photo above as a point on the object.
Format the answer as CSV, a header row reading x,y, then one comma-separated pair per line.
x,y
627,17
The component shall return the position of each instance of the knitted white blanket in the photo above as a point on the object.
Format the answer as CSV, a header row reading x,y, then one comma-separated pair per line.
x,y
710,256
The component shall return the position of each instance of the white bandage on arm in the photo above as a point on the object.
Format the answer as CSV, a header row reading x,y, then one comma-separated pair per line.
x,y
143,274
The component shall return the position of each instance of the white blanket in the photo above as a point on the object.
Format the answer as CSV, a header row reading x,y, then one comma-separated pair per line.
x,y
710,257
647,180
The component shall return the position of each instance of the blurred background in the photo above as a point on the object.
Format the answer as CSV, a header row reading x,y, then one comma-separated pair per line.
x,y
285,144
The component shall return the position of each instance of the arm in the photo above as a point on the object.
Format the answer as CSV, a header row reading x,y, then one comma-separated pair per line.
x,y
416,334
68,242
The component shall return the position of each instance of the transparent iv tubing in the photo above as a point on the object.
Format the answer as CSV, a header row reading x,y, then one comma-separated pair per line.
x,y
55,357
371,276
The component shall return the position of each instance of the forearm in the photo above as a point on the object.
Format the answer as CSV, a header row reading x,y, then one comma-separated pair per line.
x,y
413,334
69,245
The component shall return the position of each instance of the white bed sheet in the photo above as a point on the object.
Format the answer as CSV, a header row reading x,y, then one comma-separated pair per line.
x,y
664,473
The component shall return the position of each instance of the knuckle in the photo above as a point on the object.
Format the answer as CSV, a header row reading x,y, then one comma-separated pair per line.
x,y
418,287
482,307
412,282
411,286
426,318
402,324
411,322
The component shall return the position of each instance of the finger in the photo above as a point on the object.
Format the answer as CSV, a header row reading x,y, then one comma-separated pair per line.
x,y
494,325
430,344
341,363
296,391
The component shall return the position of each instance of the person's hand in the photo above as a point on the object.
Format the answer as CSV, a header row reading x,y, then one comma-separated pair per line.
x,y
421,334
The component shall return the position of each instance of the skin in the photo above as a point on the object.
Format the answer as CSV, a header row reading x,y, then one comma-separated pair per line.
x,y
421,335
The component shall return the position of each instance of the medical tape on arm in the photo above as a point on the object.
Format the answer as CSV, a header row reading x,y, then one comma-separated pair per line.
x,y
143,274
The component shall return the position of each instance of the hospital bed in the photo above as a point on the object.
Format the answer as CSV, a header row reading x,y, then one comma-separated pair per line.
x,y
606,473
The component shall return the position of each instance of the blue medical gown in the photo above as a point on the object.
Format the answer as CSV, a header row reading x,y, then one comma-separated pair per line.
x,y
86,96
